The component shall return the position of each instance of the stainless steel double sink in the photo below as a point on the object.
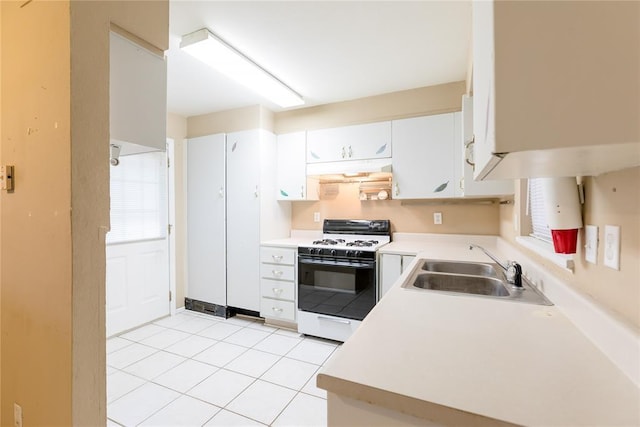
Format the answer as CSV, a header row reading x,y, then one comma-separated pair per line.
x,y
471,278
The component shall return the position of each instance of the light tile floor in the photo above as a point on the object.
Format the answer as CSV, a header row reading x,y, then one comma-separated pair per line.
x,y
193,369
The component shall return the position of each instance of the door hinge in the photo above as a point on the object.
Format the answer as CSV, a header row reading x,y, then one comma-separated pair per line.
x,y
169,228
170,296
168,162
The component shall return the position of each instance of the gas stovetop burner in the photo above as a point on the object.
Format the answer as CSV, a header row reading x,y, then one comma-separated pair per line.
x,y
329,242
363,243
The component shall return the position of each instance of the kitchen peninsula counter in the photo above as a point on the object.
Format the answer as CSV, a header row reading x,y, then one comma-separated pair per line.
x,y
424,356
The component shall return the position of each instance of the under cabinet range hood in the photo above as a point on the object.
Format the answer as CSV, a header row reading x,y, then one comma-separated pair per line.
x,y
350,168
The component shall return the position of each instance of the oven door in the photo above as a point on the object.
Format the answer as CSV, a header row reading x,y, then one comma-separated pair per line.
x,y
341,288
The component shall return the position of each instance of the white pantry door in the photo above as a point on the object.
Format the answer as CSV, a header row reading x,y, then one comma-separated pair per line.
x,y
137,249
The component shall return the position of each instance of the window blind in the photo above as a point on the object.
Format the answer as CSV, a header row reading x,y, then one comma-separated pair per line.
x,y
138,198
536,211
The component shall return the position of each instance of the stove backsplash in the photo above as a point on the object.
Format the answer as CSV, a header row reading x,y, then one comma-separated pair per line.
x,y
343,201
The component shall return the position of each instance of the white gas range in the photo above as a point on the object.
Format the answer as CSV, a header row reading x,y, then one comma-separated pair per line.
x,y
337,277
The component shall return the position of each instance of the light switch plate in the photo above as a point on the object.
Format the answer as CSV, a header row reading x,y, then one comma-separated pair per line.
x,y
591,244
612,246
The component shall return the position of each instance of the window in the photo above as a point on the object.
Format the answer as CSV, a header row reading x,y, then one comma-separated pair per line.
x,y
536,211
139,198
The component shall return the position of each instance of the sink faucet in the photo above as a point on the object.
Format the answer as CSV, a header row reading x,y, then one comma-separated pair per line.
x,y
512,269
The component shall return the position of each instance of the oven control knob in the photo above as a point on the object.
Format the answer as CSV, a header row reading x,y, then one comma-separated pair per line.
x,y
348,253
319,251
333,252
311,250
357,254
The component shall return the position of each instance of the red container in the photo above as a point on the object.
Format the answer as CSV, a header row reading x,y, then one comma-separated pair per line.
x,y
565,241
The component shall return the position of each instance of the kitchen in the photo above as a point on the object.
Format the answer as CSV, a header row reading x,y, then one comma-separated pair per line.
x,y
603,205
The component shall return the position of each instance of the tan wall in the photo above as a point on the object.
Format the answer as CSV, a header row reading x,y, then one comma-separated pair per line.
x,y
610,199
177,130
424,101
254,117
36,239
1,134
409,217
56,80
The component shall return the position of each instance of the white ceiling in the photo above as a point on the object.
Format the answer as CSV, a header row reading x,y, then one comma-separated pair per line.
x,y
327,51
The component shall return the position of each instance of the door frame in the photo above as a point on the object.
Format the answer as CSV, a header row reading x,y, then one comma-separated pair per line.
x,y
171,221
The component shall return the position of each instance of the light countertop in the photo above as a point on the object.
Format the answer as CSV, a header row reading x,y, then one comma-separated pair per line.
x,y
298,237
443,356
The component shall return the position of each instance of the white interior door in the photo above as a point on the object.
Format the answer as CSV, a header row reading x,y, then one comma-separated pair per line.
x,y
137,246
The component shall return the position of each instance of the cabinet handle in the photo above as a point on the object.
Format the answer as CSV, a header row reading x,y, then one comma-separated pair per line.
x,y
277,310
277,273
277,291
277,258
461,183
350,152
344,152
397,190
302,191
468,152
255,193
221,192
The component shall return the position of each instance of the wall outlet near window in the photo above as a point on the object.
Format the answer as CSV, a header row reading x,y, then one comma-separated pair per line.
x,y
612,246
316,217
591,244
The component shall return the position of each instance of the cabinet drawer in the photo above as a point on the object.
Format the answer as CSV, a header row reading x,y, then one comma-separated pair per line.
x,y
277,255
278,289
278,272
276,309
320,325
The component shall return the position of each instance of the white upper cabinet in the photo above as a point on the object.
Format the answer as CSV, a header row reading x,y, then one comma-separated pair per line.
x,y
424,163
359,142
137,94
291,179
468,187
556,88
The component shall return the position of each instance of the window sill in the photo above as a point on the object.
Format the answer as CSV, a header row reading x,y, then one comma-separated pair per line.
x,y
546,251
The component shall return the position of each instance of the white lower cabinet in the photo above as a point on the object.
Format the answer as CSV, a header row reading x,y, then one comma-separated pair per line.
x,y
391,267
278,283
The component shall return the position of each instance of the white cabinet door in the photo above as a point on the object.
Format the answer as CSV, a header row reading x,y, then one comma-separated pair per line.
x,y
390,270
243,219
137,94
391,267
206,252
423,157
292,181
291,174
358,142
533,119
469,187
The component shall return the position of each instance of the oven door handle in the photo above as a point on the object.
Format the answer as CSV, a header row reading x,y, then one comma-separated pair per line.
x,y
313,261
331,319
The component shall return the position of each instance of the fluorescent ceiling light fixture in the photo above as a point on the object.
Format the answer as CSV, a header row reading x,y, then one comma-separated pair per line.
x,y
215,52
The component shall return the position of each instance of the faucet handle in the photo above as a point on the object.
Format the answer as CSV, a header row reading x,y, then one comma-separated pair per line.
x,y
514,274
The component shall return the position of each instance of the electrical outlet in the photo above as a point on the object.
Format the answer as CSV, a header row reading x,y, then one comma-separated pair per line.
x,y
316,217
17,415
612,246
437,218
591,244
